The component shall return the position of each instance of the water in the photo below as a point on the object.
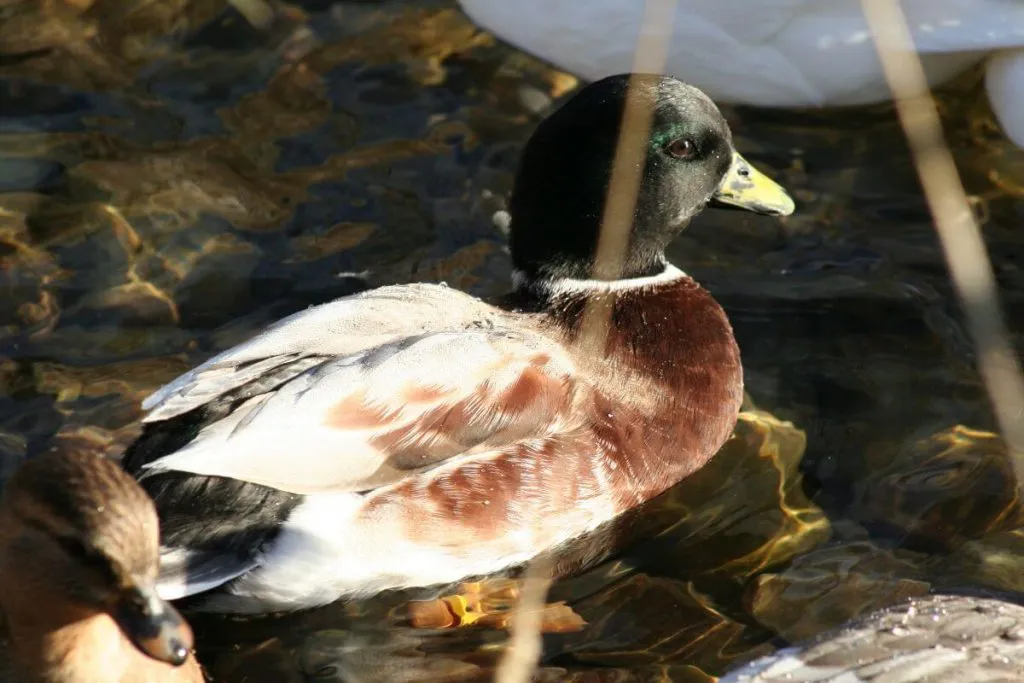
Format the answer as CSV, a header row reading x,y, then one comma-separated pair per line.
x,y
172,179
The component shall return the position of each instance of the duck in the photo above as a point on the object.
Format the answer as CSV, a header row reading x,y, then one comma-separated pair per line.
x,y
79,560
777,53
945,636
413,435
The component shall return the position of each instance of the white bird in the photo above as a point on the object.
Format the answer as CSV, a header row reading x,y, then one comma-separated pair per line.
x,y
776,53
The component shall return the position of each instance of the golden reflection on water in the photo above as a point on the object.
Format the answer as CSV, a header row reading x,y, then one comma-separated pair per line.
x,y
173,178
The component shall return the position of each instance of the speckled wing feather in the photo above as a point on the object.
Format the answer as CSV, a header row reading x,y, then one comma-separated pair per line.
x,y
372,402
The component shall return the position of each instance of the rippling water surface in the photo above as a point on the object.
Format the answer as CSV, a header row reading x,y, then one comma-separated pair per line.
x,y
172,178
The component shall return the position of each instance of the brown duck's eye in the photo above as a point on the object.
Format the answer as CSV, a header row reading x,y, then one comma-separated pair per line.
x,y
683,148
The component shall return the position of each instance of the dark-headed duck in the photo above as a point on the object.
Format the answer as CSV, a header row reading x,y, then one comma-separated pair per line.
x,y
414,435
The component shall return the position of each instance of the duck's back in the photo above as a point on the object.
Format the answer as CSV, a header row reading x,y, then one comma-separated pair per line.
x,y
336,329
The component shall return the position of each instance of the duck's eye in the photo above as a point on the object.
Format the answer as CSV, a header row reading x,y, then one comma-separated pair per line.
x,y
683,148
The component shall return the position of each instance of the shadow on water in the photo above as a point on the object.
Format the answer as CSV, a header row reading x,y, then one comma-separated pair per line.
x,y
172,178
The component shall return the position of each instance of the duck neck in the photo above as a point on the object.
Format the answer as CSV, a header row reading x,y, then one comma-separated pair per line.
x,y
540,293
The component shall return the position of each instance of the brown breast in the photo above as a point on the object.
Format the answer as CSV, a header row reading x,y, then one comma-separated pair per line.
x,y
669,383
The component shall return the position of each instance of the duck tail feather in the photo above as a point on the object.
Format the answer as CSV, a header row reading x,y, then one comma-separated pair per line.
x,y
185,572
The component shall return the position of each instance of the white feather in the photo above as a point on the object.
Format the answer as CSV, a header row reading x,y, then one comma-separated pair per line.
x,y
339,328
568,285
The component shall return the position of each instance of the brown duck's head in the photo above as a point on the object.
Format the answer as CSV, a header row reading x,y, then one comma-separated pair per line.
x,y
78,532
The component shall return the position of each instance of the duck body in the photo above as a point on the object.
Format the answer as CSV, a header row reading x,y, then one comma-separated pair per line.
x,y
78,562
414,435
472,435
777,53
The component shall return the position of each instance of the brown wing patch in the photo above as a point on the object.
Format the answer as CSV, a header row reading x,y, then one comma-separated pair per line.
x,y
419,393
478,495
355,412
493,413
531,386
481,500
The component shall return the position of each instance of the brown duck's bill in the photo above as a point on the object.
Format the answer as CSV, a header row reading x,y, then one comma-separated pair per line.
x,y
748,189
153,626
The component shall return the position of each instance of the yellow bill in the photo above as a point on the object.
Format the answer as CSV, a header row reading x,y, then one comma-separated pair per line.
x,y
744,187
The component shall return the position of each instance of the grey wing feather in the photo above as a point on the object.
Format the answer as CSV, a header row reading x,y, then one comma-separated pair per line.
x,y
296,343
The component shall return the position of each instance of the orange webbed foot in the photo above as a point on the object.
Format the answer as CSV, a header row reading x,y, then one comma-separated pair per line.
x,y
488,604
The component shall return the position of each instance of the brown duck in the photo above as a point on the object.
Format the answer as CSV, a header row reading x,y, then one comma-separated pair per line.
x,y
79,551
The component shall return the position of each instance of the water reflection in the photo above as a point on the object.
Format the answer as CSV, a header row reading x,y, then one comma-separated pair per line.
x,y
174,178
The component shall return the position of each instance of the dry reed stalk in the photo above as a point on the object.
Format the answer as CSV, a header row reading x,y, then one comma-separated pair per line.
x,y
520,658
958,231
256,12
627,168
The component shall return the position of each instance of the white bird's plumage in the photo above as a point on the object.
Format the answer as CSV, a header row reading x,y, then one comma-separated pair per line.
x,y
776,53
361,385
